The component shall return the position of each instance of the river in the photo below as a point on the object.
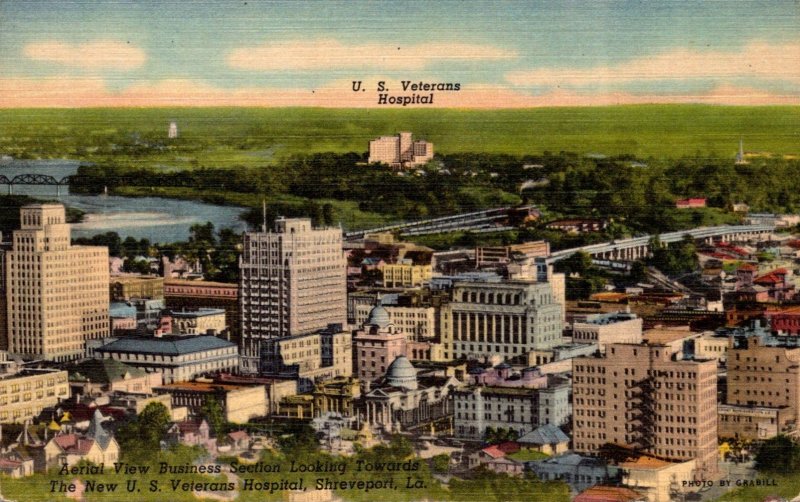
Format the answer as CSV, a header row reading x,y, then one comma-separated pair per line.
x,y
157,219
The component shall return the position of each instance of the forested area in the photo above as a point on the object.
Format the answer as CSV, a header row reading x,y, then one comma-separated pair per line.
x,y
636,195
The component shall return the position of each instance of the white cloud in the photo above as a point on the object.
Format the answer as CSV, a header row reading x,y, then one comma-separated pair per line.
x,y
329,54
756,61
99,54
66,92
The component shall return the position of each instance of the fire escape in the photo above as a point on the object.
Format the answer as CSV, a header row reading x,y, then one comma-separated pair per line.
x,y
643,414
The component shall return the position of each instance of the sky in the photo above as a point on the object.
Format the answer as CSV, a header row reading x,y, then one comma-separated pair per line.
x,y
503,54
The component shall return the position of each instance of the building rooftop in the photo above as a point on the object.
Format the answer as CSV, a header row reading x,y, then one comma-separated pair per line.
x,y
185,282
201,386
127,279
103,371
167,345
571,459
546,434
608,494
609,318
378,316
663,336
27,372
500,391
646,462
201,312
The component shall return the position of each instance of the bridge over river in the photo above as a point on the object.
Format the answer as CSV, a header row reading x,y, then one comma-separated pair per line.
x,y
34,179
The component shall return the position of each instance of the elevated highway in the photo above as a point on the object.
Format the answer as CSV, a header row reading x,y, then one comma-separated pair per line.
x,y
639,247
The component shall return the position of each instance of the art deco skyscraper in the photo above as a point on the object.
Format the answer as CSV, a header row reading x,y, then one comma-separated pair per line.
x,y
293,282
56,293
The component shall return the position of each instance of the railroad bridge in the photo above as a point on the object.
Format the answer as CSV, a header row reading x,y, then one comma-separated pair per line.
x,y
34,179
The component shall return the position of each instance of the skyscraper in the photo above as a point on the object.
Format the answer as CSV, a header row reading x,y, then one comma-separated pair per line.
x,y
293,282
56,293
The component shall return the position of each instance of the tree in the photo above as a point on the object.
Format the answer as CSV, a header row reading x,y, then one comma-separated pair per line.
x,y
779,454
214,415
577,263
638,271
440,464
153,423
142,436
491,486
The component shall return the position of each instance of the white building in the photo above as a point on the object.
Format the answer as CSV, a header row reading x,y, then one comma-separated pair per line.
x,y
603,329
177,358
519,408
506,319
56,293
400,151
293,282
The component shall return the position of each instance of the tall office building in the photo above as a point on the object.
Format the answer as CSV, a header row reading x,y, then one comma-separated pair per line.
x,y
293,282
648,397
56,293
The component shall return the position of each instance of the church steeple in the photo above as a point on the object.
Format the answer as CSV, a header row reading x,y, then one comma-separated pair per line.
x,y
97,431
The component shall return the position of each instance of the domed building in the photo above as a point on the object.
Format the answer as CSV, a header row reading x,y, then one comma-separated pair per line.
x,y
377,345
378,317
404,400
402,374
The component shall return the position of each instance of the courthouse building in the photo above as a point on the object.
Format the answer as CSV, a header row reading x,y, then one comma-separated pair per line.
x,y
508,319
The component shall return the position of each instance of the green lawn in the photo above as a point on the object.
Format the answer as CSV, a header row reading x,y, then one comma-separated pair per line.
x,y
528,455
259,136
787,487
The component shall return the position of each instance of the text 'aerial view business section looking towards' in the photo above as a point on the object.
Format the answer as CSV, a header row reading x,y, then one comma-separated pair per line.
x,y
407,251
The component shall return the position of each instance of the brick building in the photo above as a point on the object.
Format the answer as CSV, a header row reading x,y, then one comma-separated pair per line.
x,y
649,398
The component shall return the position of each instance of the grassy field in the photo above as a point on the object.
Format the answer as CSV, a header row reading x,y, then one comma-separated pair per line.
x,y
787,487
261,136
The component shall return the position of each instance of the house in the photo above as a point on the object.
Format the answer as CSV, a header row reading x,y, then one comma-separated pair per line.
x,y
495,458
657,479
609,494
240,440
14,464
192,433
690,203
505,465
577,471
778,287
96,446
547,439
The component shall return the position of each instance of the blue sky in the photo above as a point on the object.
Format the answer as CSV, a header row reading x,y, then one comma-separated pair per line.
x,y
512,53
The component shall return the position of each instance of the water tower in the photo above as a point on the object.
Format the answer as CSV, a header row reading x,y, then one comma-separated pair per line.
x,y
172,133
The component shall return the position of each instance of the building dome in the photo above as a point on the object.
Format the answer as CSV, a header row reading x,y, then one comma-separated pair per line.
x,y
401,373
378,316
